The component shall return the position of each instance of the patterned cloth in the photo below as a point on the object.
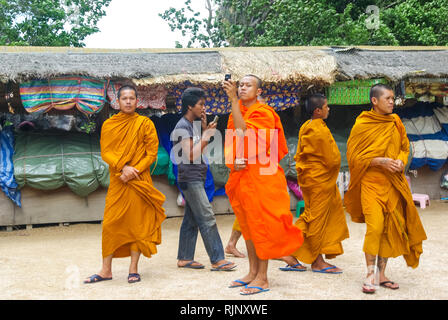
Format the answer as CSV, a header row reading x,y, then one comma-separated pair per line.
x,y
7,181
88,95
353,92
278,96
148,97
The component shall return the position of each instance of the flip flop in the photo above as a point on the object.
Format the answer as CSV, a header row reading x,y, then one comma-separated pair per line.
x,y
239,285
292,268
220,268
134,275
190,266
96,278
260,289
324,270
383,284
368,291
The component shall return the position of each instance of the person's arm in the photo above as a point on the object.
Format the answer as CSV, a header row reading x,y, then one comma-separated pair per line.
x,y
232,93
151,143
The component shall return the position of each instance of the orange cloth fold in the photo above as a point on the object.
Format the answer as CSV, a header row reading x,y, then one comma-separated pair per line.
x,y
258,195
379,198
323,222
133,213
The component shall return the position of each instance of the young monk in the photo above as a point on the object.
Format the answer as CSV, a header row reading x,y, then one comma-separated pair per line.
x,y
257,188
323,222
133,213
378,194
236,230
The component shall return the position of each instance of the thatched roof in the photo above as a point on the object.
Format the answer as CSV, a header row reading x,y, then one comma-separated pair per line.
x,y
322,65
19,66
391,64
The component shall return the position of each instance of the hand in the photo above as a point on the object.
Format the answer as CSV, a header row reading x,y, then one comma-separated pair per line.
x,y
391,165
128,173
231,89
240,166
203,120
399,165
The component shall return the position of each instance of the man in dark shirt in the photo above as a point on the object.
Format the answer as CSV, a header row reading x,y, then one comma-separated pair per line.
x,y
192,170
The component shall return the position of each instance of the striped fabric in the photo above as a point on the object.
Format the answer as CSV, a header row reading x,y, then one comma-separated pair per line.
x,y
88,95
8,183
426,126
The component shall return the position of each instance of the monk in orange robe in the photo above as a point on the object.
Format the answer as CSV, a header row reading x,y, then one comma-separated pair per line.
x,y
133,213
323,222
257,187
378,194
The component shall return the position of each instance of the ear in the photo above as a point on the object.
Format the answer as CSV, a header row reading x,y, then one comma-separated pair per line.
x,y
374,100
259,91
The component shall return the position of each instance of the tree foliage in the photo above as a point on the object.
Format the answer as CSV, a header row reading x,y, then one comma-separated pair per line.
x,y
312,22
49,22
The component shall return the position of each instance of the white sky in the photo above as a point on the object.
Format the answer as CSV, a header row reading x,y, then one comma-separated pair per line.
x,y
131,24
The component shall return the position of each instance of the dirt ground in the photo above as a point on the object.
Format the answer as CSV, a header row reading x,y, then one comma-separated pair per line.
x,y
51,263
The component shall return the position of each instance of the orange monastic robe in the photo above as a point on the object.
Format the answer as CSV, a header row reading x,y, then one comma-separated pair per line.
x,y
261,201
323,222
133,213
379,198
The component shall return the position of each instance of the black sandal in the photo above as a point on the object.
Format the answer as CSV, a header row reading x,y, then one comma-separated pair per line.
x,y
383,284
133,275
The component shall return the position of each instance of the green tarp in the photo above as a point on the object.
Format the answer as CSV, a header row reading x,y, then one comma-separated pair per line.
x,y
47,161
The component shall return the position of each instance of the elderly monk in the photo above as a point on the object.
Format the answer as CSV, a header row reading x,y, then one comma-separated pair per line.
x,y
378,194
133,213
257,187
323,222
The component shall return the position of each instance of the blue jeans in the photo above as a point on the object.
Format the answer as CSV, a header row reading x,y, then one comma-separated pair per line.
x,y
198,215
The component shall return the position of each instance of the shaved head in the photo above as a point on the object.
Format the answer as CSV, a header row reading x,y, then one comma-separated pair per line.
x,y
377,90
259,82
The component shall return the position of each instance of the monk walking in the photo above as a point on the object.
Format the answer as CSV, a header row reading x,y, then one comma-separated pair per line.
x,y
378,194
323,222
133,213
257,187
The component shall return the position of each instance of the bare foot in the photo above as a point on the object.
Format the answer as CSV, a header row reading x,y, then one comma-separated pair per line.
x,y
232,250
291,261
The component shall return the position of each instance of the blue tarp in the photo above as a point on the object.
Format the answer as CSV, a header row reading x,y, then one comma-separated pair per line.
x,y
7,181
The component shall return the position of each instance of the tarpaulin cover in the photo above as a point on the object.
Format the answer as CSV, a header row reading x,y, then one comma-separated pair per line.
x,y
87,94
47,161
7,181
